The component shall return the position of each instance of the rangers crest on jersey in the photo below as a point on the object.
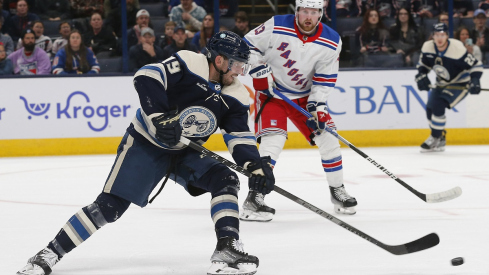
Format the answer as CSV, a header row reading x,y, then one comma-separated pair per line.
x,y
197,121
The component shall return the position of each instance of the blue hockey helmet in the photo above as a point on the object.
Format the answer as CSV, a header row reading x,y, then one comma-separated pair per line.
x,y
440,27
231,46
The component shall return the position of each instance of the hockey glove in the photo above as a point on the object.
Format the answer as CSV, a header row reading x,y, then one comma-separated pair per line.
x,y
263,79
474,86
262,179
321,118
168,128
423,82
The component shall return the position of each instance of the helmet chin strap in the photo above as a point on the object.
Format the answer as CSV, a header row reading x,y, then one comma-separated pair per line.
x,y
221,73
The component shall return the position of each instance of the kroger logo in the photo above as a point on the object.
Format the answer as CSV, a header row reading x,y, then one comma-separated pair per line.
x,y
73,111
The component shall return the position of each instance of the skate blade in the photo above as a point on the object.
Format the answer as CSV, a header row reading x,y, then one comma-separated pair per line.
x,y
218,268
434,150
31,269
251,216
344,210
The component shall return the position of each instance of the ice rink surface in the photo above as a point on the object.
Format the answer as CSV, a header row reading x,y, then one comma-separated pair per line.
x,y
174,235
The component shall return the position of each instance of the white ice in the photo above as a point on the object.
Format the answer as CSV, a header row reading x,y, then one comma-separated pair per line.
x,y
174,235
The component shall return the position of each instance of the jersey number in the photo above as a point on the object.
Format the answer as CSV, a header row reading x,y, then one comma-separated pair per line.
x,y
470,60
172,65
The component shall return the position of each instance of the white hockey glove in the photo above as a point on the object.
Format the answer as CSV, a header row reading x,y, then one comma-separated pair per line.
x,y
321,119
263,79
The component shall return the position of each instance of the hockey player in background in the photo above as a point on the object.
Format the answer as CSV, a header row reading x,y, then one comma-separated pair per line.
x,y
180,96
297,55
458,73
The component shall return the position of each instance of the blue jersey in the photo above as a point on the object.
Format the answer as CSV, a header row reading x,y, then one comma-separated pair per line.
x,y
181,82
59,63
452,66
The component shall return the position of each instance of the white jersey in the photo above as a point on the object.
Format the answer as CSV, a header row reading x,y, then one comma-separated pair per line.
x,y
301,65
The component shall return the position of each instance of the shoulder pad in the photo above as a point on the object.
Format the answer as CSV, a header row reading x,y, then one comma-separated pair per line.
x,y
238,91
195,63
456,49
428,47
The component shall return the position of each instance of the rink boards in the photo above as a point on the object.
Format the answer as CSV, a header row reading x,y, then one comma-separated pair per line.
x,y
89,115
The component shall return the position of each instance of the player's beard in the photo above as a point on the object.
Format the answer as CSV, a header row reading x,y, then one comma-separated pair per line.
x,y
29,47
227,79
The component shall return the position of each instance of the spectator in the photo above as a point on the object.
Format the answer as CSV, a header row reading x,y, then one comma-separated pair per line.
x,y
134,34
227,8
426,8
75,58
110,5
325,18
179,43
6,41
372,35
114,16
405,36
11,6
462,34
344,8
99,38
480,33
385,8
85,8
146,52
484,5
241,24
461,8
206,32
167,38
21,21
53,10
30,60
42,41
64,31
188,13
5,63
4,16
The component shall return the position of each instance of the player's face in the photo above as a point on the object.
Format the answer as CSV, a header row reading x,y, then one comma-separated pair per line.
x,y
38,29
440,38
308,18
75,40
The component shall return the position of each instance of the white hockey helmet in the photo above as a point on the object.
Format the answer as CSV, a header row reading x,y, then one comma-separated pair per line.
x,y
313,4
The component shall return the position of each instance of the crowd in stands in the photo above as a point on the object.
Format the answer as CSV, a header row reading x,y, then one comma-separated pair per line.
x,y
82,33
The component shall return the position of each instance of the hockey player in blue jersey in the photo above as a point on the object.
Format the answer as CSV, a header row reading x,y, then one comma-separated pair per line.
x,y
458,73
189,95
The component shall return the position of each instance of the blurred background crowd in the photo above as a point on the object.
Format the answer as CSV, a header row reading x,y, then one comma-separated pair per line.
x,y
88,36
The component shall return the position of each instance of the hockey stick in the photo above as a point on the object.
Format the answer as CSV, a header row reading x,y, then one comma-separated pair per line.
x,y
423,243
429,198
454,87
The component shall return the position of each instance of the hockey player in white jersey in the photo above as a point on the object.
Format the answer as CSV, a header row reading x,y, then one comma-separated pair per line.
x,y
455,69
297,55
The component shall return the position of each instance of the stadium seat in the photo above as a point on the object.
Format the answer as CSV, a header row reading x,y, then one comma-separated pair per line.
x,y
384,60
467,22
227,22
348,24
154,9
159,24
51,28
110,65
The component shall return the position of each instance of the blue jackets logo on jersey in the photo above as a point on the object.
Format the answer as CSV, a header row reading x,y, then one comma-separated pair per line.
x,y
36,109
197,121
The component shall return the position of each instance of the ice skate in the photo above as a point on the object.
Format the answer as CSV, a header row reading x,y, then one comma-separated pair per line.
x,y
433,144
40,264
255,209
343,203
229,258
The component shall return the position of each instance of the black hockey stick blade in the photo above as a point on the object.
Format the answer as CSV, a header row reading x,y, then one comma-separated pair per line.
x,y
423,243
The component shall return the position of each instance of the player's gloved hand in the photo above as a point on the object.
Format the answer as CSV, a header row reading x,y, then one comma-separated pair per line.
x,y
168,128
263,79
262,179
474,86
423,82
321,116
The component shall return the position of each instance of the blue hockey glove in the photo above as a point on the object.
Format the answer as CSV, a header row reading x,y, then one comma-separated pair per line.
x,y
321,118
168,129
263,79
423,82
474,86
262,179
